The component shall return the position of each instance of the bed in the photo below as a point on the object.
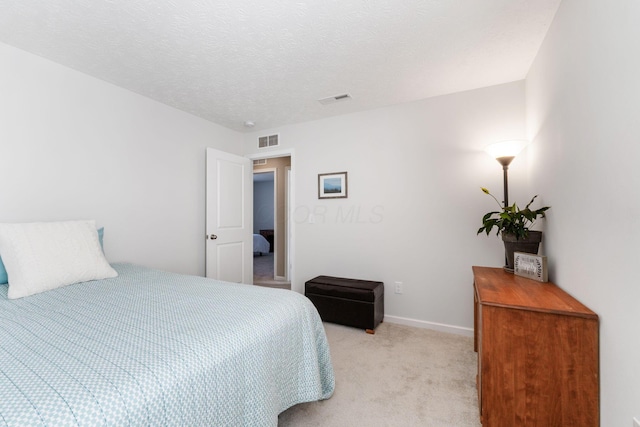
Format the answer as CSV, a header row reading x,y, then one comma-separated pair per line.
x,y
260,245
154,348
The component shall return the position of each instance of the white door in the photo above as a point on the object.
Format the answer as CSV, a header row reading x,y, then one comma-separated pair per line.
x,y
229,217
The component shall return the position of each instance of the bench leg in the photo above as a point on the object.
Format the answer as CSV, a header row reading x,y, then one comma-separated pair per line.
x,y
370,331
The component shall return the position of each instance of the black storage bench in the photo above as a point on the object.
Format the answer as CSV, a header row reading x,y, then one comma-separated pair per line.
x,y
350,302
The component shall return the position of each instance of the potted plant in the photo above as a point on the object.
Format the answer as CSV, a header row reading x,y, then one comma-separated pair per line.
x,y
514,225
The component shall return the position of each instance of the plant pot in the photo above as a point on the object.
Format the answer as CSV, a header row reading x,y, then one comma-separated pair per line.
x,y
529,245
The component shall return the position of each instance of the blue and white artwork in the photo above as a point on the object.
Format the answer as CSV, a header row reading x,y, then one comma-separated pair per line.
x,y
332,185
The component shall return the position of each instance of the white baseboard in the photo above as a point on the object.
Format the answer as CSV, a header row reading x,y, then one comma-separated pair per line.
x,y
458,330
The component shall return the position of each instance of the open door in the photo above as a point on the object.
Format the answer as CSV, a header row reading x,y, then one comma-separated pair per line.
x,y
229,217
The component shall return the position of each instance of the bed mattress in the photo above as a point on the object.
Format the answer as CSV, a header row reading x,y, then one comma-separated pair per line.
x,y
156,348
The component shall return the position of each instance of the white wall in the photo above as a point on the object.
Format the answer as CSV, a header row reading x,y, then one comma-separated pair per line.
x,y
583,104
414,206
73,147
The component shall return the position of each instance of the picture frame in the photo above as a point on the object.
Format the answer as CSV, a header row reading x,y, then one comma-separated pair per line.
x,y
332,185
531,266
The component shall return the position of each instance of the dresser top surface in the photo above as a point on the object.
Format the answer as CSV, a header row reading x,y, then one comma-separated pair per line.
x,y
494,286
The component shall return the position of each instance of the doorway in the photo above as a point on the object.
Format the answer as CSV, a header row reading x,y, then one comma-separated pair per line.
x,y
270,222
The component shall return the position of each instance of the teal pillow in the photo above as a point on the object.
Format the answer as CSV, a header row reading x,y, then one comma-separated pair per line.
x,y
101,237
4,279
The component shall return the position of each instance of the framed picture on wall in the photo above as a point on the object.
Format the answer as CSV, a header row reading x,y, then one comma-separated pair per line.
x,y
332,185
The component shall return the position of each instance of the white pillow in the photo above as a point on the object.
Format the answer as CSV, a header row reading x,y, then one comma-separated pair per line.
x,y
41,256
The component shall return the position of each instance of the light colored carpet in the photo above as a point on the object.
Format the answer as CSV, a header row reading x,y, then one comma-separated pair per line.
x,y
263,273
401,376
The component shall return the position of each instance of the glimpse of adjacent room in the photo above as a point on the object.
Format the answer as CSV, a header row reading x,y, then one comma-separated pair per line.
x,y
270,189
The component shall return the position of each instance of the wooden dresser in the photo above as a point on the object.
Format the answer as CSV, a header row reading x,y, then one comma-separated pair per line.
x,y
537,353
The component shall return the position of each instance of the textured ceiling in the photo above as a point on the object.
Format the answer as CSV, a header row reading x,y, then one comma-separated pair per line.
x,y
270,61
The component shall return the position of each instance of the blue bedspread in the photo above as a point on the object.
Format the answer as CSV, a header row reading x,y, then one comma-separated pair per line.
x,y
156,348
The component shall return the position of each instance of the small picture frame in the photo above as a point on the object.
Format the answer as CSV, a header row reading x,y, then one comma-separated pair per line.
x,y
332,185
530,266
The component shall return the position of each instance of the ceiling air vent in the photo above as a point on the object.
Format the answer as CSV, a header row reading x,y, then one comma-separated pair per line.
x,y
334,99
259,162
268,141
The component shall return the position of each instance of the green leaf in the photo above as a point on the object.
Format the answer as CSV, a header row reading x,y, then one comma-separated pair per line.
x,y
511,219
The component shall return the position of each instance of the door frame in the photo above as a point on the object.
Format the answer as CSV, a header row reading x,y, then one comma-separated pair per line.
x,y
290,239
287,220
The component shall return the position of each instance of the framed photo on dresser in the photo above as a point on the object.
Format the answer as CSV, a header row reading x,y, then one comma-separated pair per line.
x,y
530,266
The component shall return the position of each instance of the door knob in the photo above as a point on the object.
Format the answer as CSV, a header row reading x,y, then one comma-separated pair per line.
x,y
212,237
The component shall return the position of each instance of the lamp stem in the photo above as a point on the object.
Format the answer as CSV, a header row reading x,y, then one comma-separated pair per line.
x,y
505,168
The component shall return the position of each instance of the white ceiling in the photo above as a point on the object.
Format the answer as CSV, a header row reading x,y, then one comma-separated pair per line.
x,y
270,61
